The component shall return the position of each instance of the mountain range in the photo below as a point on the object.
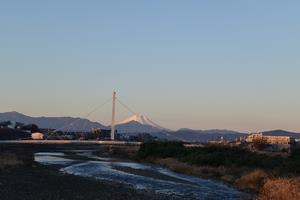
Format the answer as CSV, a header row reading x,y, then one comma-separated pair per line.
x,y
61,123
134,125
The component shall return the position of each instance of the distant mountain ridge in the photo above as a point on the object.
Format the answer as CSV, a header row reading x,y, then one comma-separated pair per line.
x,y
61,123
133,126
207,135
282,133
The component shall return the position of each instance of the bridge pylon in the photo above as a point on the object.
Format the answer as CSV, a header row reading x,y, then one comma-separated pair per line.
x,y
113,117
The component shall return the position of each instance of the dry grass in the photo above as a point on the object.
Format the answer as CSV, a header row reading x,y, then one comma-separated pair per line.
x,y
118,151
281,189
175,165
202,171
124,151
9,160
253,180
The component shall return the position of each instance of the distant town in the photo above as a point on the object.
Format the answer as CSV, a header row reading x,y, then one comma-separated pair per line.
x,y
139,129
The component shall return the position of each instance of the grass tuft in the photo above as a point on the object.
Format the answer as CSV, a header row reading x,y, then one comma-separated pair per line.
x,y
9,160
253,180
281,189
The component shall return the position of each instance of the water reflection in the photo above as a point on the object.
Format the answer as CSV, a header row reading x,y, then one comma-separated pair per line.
x,y
49,158
141,176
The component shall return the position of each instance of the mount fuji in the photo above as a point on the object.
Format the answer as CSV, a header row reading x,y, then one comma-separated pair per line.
x,y
139,124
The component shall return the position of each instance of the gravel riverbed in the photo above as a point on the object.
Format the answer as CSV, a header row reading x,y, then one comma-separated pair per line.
x,y
46,183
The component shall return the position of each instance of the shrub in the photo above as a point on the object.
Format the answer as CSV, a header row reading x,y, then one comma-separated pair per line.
x,y
217,155
281,189
222,156
160,149
9,160
204,171
253,180
175,165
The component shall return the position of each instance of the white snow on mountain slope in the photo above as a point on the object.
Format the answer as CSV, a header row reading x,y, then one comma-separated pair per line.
x,y
139,123
142,120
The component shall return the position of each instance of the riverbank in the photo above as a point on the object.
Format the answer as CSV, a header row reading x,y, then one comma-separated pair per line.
x,y
23,179
167,154
256,173
141,176
40,182
261,174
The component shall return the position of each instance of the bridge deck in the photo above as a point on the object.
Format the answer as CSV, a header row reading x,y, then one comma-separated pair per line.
x,y
91,142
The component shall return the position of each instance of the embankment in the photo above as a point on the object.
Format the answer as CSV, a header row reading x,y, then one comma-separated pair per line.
x,y
246,170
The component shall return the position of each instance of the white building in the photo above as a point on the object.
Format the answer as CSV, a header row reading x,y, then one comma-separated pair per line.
x,y
37,136
259,137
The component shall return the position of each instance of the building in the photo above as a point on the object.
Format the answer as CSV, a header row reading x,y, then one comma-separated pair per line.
x,y
103,134
219,140
270,142
37,136
260,137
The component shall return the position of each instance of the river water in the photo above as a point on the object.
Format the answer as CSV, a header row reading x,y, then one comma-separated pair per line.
x,y
140,176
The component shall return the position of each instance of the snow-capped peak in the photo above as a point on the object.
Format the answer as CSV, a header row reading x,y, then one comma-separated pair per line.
x,y
142,120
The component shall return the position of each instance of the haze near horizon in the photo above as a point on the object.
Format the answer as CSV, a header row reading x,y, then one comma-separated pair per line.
x,y
202,65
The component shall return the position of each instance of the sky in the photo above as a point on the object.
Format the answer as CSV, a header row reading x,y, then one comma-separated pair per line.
x,y
184,64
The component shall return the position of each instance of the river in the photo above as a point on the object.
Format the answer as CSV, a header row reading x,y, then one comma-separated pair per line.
x,y
139,175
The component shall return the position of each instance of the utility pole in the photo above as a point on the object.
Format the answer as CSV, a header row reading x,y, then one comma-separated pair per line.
x,y
113,120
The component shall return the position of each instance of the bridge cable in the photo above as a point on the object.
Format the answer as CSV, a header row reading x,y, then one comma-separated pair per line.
x,y
127,107
85,116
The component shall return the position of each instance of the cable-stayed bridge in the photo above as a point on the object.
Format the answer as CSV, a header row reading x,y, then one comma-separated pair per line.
x,y
114,100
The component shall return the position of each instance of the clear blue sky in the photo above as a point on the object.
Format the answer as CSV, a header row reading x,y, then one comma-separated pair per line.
x,y
197,64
